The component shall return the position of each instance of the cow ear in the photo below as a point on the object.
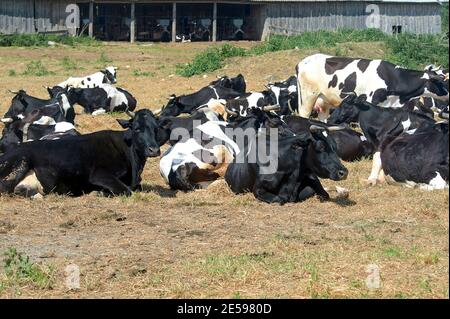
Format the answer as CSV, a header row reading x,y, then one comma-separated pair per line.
x,y
103,71
124,123
165,123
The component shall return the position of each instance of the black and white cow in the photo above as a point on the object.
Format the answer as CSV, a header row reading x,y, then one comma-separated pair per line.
x,y
429,147
301,159
325,80
350,145
106,76
108,161
21,132
426,106
101,99
289,84
195,162
189,103
56,109
377,124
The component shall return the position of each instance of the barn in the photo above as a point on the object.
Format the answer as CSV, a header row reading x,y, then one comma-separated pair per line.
x,y
206,20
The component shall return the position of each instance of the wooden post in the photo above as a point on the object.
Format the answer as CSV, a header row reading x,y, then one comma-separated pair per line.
x,y
133,22
214,22
174,21
91,19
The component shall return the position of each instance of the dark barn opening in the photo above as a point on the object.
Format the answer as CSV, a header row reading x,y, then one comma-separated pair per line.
x,y
236,22
194,21
153,22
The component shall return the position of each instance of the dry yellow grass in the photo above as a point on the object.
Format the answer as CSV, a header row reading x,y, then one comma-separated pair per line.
x,y
161,243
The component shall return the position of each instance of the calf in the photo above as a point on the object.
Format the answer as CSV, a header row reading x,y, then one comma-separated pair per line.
x,y
108,161
323,81
301,158
237,83
429,147
106,76
377,124
57,107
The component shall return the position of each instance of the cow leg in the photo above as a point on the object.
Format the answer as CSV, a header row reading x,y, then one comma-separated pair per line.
x,y
307,105
376,169
110,182
314,183
99,111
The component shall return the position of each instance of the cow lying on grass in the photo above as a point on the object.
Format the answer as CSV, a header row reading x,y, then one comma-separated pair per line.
x,y
107,161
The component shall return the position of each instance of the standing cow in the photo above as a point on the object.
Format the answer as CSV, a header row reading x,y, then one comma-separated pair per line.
x,y
323,82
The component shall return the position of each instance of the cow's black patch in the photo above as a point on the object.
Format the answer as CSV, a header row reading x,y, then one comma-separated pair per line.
x,y
349,85
89,79
341,85
336,63
82,82
333,82
371,93
363,64
379,96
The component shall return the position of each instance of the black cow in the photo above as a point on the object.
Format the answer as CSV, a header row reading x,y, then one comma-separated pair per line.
x,y
104,98
350,145
426,106
58,107
237,83
377,123
428,146
301,158
108,161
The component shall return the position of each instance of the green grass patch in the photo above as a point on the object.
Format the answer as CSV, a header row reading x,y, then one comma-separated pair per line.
x,y
20,270
408,50
42,40
68,64
12,73
36,68
103,59
138,72
209,60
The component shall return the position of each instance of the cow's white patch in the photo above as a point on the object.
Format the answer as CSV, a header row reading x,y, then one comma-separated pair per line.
x,y
20,116
363,138
325,133
29,186
213,129
292,88
98,112
65,103
253,98
411,132
436,183
391,101
63,127
425,76
276,90
45,120
406,124
376,167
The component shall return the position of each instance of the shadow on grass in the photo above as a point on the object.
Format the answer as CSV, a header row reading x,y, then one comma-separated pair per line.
x,y
342,201
161,191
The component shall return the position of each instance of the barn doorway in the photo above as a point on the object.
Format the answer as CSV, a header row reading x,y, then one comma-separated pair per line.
x,y
236,22
153,22
194,21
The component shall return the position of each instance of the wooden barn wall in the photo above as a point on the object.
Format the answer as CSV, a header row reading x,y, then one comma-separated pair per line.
x,y
16,16
294,18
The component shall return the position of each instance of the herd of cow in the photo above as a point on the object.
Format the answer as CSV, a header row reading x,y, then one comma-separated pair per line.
x,y
255,140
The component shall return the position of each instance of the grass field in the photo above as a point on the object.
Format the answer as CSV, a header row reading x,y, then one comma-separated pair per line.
x,y
162,243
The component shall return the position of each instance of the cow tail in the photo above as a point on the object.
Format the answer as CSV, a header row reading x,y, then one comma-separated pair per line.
x,y
13,169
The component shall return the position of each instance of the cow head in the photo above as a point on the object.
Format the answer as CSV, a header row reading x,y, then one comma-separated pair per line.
x,y
321,157
18,106
288,102
110,74
173,107
237,83
436,85
142,133
11,135
349,110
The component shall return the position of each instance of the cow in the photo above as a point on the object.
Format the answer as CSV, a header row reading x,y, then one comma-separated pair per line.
x,y
58,107
101,99
426,106
106,76
106,161
377,124
323,82
429,147
197,161
290,84
189,103
302,158
237,83
19,132
350,145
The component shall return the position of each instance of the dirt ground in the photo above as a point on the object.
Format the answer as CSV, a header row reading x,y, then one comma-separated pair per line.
x,y
162,243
